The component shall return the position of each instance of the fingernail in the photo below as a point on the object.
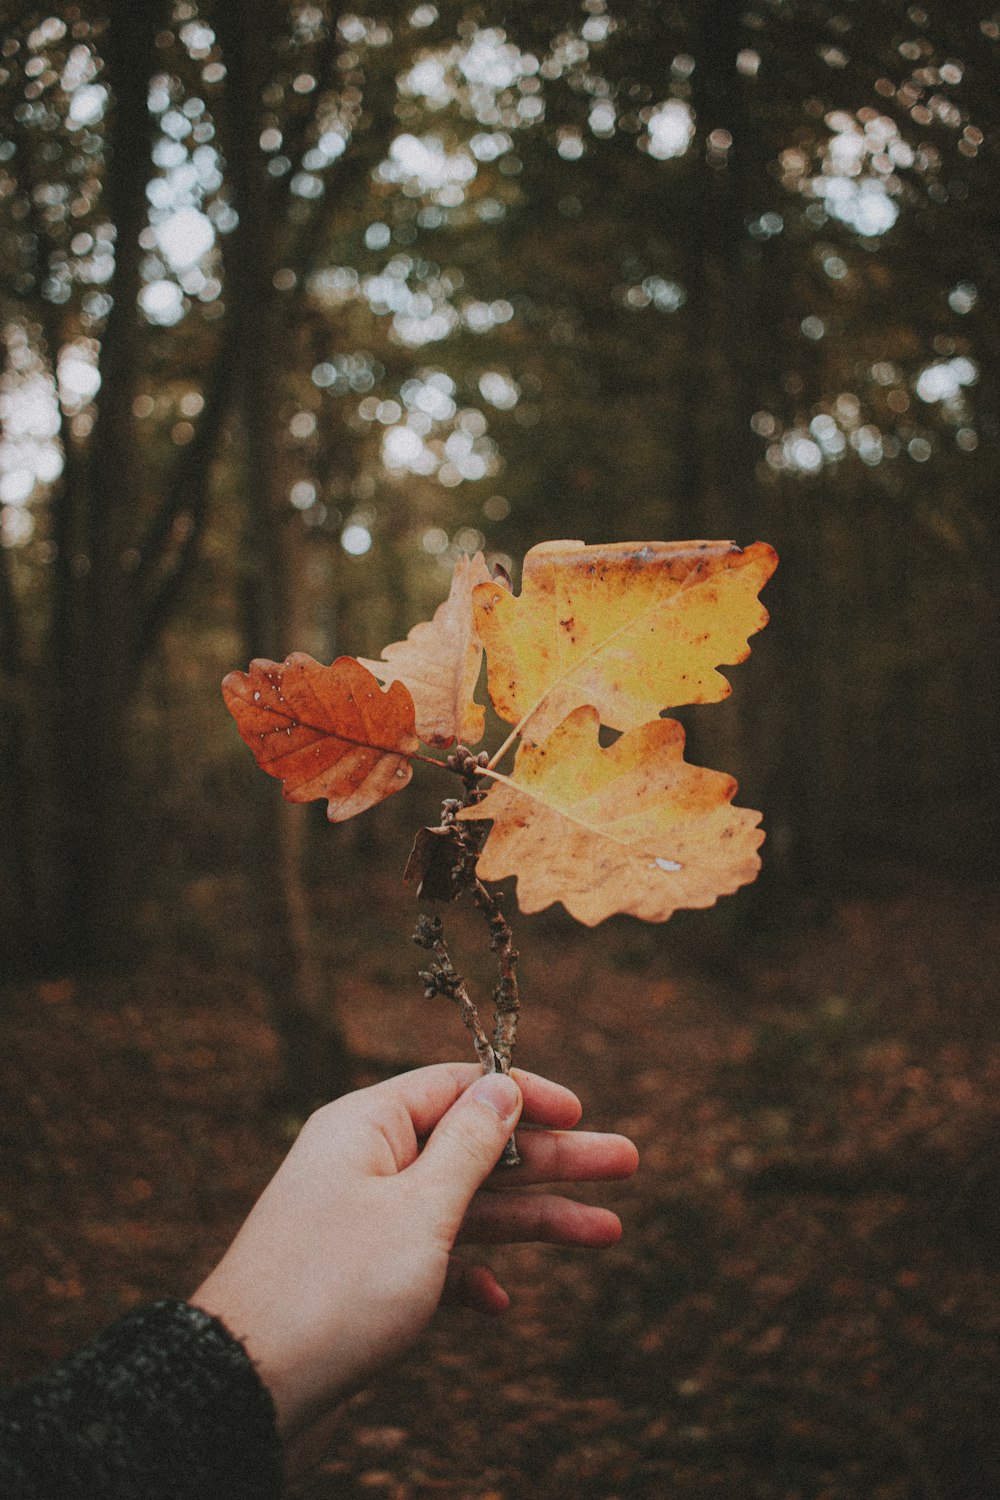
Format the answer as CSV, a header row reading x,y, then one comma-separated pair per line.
x,y
499,1091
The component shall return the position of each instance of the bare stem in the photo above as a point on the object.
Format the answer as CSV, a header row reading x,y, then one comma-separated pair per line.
x,y
443,979
506,744
506,996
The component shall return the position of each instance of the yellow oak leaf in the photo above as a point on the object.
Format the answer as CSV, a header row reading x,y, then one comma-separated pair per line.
x,y
631,628
630,828
439,662
325,731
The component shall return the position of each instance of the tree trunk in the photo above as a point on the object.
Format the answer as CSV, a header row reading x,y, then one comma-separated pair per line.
x,y
732,354
315,1053
91,641
19,804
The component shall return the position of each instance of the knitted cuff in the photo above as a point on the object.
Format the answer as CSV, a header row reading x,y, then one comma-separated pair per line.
x,y
163,1405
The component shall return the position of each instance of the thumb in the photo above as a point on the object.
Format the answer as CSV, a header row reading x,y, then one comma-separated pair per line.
x,y
466,1145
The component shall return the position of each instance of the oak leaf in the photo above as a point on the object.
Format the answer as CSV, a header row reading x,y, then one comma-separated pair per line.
x,y
439,663
325,731
631,628
631,828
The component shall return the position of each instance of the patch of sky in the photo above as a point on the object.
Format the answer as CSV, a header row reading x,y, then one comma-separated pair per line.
x,y
865,206
30,451
493,62
162,302
480,317
670,129
424,164
489,145
77,374
86,105
184,237
828,435
432,393
944,380
963,297
498,389
856,182
356,539
377,236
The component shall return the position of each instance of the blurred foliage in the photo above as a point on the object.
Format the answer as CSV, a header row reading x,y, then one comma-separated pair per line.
x,y
296,305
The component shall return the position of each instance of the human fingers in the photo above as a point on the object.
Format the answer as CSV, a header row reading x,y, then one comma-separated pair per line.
x,y
517,1218
411,1104
567,1156
463,1149
475,1286
545,1102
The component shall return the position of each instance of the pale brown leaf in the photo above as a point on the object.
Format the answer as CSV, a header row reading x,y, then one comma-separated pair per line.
x,y
439,663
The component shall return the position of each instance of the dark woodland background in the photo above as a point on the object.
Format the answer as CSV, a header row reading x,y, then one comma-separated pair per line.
x,y
298,304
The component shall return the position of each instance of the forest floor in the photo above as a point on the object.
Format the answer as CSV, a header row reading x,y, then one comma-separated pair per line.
x,y
804,1305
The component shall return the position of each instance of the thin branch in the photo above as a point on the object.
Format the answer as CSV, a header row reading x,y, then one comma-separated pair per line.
x,y
506,995
463,843
442,978
499,754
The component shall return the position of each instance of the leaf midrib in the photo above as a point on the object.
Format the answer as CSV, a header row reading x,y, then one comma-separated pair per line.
x,y
525,791
325,732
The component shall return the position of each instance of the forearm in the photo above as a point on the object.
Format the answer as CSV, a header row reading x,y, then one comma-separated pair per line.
x,y
164,1405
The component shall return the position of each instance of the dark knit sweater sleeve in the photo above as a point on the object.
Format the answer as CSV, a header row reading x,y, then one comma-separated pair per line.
x,y
163,1405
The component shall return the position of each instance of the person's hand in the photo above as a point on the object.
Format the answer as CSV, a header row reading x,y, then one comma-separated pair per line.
x,y
345,1256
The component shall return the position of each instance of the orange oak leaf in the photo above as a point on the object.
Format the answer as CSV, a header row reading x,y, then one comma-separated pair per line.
x,y
631,828
325,731
631,627
439,662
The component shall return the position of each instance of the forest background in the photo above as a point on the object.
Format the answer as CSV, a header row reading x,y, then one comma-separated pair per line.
x,y
297,305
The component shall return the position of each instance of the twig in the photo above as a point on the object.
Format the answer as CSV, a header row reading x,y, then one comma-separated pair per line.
x,y
443,979
506,998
